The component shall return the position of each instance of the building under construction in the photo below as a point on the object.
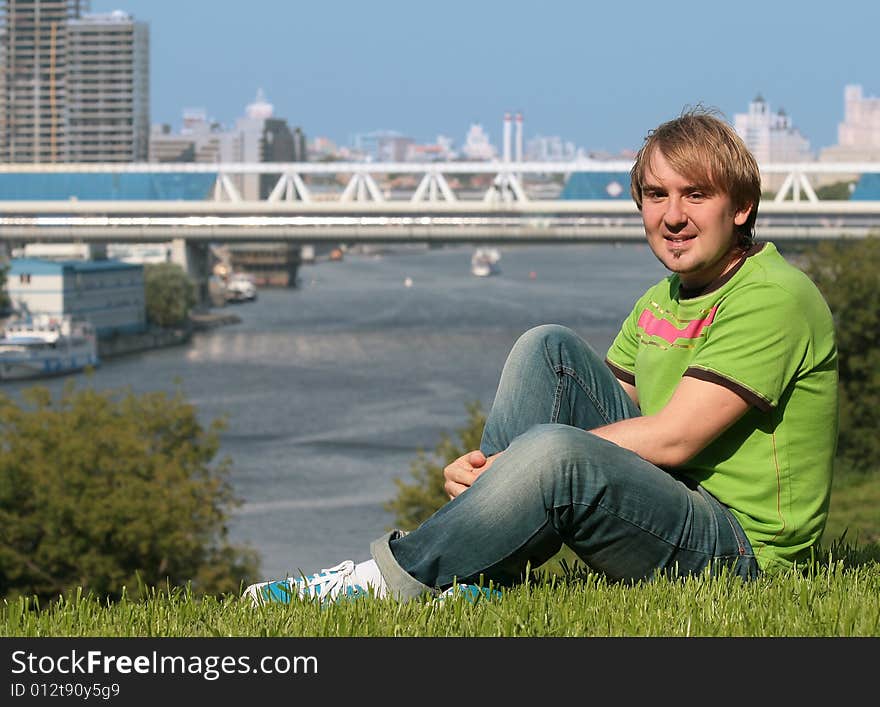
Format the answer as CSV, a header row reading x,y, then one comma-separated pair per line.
x,y
74,87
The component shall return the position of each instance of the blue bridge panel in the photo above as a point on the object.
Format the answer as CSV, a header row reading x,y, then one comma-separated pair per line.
x,y
172,186
597,185
867,188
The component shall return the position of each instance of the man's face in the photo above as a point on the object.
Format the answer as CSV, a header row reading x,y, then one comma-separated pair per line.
x,y
690,229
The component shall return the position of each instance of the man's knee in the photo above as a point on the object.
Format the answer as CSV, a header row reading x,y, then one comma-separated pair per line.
x,y
555,444
543,336
556,450
547,342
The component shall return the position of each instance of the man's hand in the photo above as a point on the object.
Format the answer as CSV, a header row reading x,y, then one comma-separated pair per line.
x,y
461,473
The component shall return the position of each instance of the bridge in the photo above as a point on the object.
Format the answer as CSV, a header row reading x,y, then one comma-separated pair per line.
x,y
356,209
192,205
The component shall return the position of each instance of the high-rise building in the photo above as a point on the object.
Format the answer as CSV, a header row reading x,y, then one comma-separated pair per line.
x,y
383,145
74,87
258,136
300,150
771,137
33,64
550,148
108,88
199,140
858,136
278,144
261,137
861,123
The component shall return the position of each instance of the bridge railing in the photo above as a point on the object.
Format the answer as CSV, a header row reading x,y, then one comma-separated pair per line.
x,y
431,182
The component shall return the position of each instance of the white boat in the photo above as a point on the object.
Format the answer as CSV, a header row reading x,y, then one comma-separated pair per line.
x,y
42,345
484,262
240,288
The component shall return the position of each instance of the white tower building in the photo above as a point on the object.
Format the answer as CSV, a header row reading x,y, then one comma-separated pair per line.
x,y
506,145
248,143
861,124
519,138
771,137
858,136
477,145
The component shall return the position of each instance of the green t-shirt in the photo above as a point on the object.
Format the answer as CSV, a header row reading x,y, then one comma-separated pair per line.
x,y
764,331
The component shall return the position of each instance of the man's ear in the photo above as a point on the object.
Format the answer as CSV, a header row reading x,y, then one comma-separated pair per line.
x,y
742,213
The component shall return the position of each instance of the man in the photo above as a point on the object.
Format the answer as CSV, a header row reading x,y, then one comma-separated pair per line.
x,y
703,441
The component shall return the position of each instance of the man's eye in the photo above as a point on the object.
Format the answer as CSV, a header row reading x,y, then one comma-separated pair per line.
x,y
697,195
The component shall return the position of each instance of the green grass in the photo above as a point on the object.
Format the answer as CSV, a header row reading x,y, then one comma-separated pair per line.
x,y
838,595
855,509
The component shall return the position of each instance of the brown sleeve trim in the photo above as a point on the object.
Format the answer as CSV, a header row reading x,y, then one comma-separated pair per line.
x,y
749,396
620,374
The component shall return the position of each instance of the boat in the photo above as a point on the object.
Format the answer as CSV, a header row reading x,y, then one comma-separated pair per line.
x,y
240,288
484,262
268,264
42,345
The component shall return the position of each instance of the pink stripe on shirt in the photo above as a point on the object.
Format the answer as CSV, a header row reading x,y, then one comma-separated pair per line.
x,y
654,326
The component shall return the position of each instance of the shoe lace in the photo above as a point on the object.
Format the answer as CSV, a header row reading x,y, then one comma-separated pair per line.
x,y
331,581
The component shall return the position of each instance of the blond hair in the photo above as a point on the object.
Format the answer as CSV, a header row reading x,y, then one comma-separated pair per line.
x,y
707,150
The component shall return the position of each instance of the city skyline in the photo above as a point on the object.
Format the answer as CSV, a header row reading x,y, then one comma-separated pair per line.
x,y
599,76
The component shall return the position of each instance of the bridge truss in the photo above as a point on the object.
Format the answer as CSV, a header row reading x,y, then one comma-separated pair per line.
x,y
358,208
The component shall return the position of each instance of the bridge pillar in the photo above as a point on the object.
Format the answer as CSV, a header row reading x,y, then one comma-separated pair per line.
x,y
195,259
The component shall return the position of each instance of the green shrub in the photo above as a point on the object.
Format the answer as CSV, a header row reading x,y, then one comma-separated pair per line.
x,y
5,302
416,501
104,491
169,294
847,272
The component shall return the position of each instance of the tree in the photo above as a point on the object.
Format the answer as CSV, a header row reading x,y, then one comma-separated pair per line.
x,y
111,490
169,293
847,272
4,295
416,501
838,191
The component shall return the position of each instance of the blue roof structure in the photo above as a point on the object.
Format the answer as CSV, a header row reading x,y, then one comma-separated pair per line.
x,y
59,186
39,266
597,185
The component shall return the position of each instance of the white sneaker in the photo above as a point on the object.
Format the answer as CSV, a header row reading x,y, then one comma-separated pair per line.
x,y
327,586
469,592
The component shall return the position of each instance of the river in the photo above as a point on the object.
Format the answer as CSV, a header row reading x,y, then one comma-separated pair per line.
x,y
329,390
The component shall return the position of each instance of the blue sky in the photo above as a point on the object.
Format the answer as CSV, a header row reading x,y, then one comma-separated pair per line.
x,y
597,73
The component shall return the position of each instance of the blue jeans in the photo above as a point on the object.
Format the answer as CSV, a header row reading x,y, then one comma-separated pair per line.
x,y
557,484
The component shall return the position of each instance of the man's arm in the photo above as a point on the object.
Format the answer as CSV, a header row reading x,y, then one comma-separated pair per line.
x,y
696,414
630,390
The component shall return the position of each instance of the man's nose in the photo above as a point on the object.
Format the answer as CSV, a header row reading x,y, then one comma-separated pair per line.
x,y
675,215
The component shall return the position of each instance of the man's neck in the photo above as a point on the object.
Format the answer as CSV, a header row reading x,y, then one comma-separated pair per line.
x,y
731,264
